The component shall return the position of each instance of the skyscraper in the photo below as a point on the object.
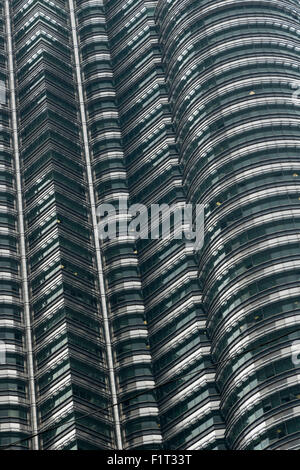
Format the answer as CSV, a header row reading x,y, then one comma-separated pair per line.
x,y
149,344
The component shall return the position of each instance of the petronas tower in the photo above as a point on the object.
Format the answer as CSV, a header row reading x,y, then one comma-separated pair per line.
x,y
129,343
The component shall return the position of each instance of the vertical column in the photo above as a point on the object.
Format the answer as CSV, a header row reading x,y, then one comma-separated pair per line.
x,y
23,257
232,69
125,304
72,376
95,233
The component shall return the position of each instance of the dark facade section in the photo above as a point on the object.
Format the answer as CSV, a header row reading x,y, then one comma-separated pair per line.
x,y
149,344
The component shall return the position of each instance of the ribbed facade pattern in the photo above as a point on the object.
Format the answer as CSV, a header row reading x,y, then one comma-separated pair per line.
x,y
231,67
144,344
127,321
15,403
176,321
69,352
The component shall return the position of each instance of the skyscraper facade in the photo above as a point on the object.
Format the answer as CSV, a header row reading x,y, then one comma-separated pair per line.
x,y
128,343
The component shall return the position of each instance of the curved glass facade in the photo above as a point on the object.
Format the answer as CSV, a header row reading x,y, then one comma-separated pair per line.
x,y
145,344
127,320
231,68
